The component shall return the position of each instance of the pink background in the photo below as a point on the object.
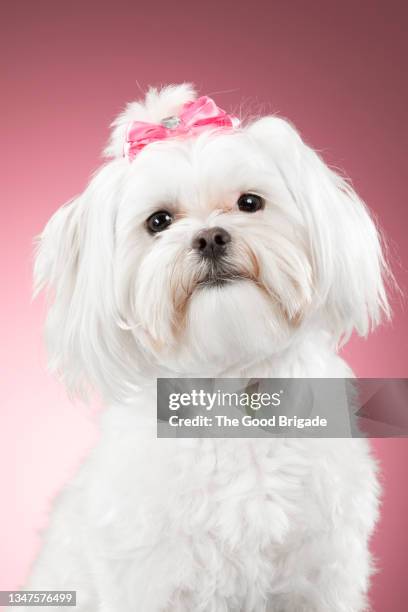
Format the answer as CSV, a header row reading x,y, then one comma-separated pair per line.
x,y
336,69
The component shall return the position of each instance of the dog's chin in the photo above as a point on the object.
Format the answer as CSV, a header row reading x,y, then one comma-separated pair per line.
x,y
229,323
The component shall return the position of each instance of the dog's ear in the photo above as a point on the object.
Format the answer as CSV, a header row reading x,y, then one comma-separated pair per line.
x,y
75,263
349,267
56,270
157,104
57,254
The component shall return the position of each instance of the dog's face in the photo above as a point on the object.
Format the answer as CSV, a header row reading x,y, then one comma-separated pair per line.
x,y
211,251
205,252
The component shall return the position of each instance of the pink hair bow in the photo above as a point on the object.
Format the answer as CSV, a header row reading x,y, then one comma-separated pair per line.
x,y
194,117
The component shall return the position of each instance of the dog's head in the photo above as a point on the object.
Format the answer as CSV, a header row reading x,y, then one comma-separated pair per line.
x,y
202,251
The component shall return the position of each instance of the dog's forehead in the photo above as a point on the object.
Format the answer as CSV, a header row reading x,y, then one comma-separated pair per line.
x,y
199,171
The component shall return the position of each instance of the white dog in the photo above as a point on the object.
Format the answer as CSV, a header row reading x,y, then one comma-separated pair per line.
x,y
205,247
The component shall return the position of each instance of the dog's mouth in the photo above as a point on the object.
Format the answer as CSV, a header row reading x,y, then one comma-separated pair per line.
x,y
220,276
218,281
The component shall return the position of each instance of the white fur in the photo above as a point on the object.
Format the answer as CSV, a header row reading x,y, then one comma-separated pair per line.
x,y
211,525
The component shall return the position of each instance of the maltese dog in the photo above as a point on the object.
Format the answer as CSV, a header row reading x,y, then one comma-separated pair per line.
x,y
209,247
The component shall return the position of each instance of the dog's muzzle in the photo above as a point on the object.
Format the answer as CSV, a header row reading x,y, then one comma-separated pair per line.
x,y
212,246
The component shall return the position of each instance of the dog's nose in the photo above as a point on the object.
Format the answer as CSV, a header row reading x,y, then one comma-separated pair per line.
x,y
212,242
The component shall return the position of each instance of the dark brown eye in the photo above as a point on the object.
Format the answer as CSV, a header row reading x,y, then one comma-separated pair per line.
x,y
159,221
249,202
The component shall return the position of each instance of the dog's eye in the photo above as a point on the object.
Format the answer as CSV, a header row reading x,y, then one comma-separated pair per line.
x,y
249,202
159,221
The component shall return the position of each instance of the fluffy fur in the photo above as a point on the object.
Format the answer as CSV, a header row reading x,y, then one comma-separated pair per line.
x,y
278,525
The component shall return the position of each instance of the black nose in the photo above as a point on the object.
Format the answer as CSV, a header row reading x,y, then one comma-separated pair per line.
x,y
212,242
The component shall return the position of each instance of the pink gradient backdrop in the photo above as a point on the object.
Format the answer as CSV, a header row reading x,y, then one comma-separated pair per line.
x,y
336,69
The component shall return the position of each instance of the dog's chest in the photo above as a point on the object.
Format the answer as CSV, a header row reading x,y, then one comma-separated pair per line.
x,y
217,515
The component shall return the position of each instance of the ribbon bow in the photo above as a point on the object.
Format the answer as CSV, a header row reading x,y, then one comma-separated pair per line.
x,y
194,117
